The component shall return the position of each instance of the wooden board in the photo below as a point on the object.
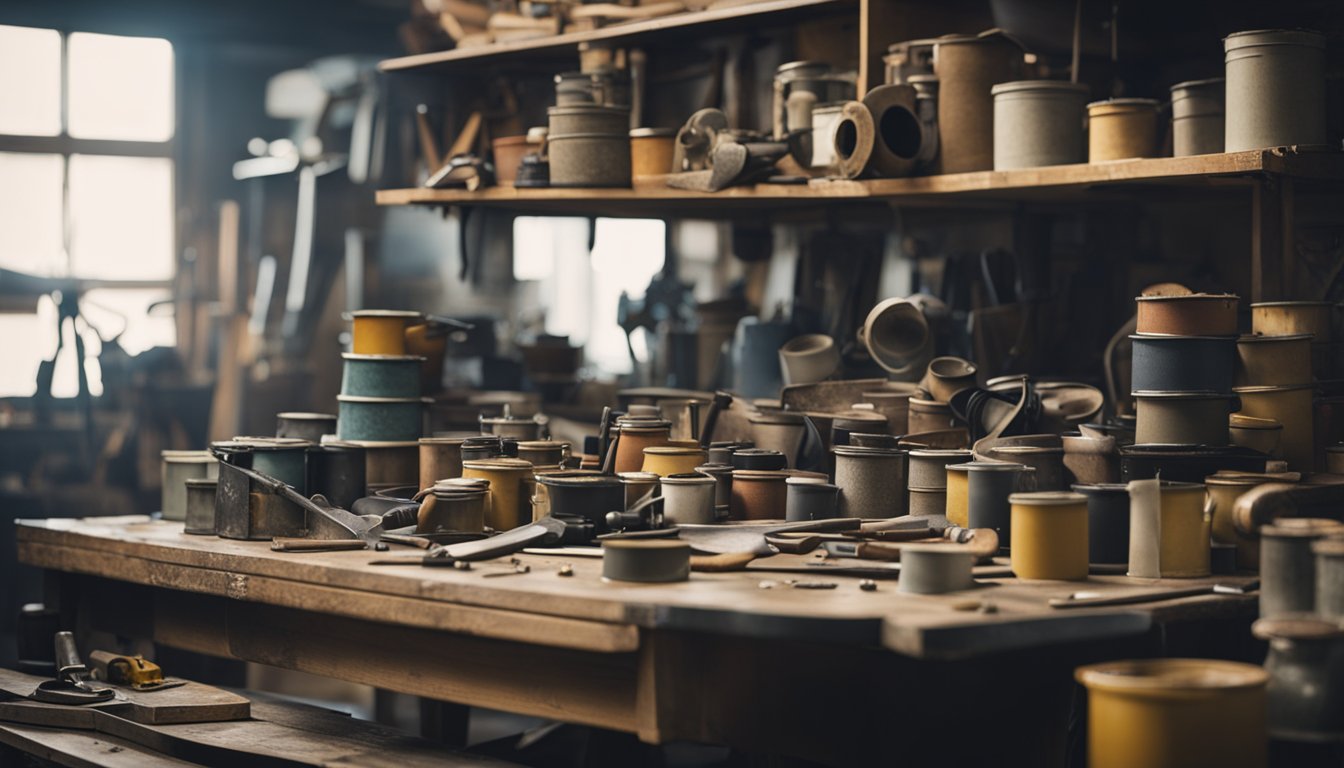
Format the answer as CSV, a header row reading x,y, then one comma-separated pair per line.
x,y
188,703
82,749
576,611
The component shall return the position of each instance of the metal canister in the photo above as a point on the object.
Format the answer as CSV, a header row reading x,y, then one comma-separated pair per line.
x,y
1329,554
1305,666
871,481
934,569
1107,522
1049,535
968,66
1120,129
1039,122
810,498
459,505
440,459
1197,117
989,485
688,498
510,501
1287,565
636,486
1291,407
583,495
305,426
284,458
927,467
544,453
177,468
723,488
1275,88
758,494
200,517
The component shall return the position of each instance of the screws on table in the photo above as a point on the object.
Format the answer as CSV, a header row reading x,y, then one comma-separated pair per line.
x,y
462,565
517,569
868,585
981,606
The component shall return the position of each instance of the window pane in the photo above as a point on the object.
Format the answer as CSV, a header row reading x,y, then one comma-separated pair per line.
x,y
30,81
30,213
110,311
29,339
627,253
121,87
121,217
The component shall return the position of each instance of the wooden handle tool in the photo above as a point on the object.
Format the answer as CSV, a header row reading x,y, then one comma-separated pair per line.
x,y
282,544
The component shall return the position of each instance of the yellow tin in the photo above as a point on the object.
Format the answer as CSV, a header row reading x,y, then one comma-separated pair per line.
x,y
380,331
1184,550
957,495
509,503
1049,535
664,460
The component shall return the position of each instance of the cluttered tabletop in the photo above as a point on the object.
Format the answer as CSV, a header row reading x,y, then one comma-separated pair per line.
x,y
807,596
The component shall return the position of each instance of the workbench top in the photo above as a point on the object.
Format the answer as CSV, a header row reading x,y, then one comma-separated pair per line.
x,y
584,612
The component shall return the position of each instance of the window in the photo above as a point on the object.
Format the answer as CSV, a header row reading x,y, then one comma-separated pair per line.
x,y
86,191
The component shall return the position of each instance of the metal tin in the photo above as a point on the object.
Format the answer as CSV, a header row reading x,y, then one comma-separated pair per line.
x,y
283,458
510,501
1183,364
381,375
688,498
1291,407
957,495
1197,123
1287,565
544,453
457,506
440,459
1258,434
1273,360
1045,461
589,159
380,419
1107,522
758,495
633,436
1038,123
935,569
1132,707
663,460
1305,664
390,463
646,560
200,516
1290,318
1091,460
928,466
871,482
779,431
380,331
927,501
762,459
1329,555
1049,535
589,497
988,486
723,489
588,119
1178,529
1190,314
338,472
305,426
178,467
1275,89
809,498
514,427
651,151
1182,418
1224,488
967,68
489,447
1120,129
637,486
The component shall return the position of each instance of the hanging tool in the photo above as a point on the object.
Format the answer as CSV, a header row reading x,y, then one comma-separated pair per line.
x,y
71,685
131,671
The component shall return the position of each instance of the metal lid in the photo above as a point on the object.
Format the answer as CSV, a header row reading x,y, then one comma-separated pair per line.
x,y
188,457
760,474
673,450
384,443
573,479
201,482
1256,304
809,480
995,466
1163,338
587,109
499,463
865,452
1191,84
1058,86
940,453
1255,338
541,445
688,478
1101,488
443,440
1258,37
1241,421
363,399
637,477
1047,498
1190,297
272,443
1171,675
304,416
1331,546
1153,394
383,358
1265,389
380,313
1115,106
1239,479
462,484
652,133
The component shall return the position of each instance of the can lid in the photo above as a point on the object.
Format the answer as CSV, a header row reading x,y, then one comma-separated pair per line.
x,y
647,133
1047,498
1191,84
1184,297
1257,37
1171,675
305,416
1105,106
383,358
1057,86
380,313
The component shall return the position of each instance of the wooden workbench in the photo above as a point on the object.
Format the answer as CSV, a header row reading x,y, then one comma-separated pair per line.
x,y
835,675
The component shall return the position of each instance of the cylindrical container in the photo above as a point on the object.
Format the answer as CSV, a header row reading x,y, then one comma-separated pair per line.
x,y
809,498
1183,363
1107,522
589,159
1329,554
723,478
381,375
1049,535
509,504
636,435
758,495
1290,318
637,485
1046,463
589,497
1197,117
988,486
1120,129
544,453
305,426
1175,713
1182,418
1182,531
928,466
390,463
1287,565
968,67
929,416
1273,360
871,482
1261,435
283,458
646,560
588,118
651,151
512,427
1291,407
338,472
1039,122
509,151
1091,460
935,569
380,331
1190,314
440,459
894,404
488,447
688,498
1275,88
763,459
200,515
664,460
871,440
927,501
721,451
176,469
957,494
381,419
457,506
779,431
1223,490
1305,666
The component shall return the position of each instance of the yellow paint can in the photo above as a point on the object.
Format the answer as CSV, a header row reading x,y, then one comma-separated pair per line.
x,y
380,331
1049,535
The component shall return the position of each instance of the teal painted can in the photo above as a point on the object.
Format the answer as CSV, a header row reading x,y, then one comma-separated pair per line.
x,y
382,419
381,375
284,458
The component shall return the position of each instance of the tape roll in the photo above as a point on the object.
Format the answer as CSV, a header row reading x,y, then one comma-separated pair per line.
x,y
897,132
646,560
854,137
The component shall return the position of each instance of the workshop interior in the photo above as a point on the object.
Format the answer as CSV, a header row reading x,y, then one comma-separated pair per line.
x,y
672,383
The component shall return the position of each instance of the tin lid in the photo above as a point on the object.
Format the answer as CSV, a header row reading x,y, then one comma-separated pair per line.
x,y
1154,394
927,491
201,482
1256,338
940,453
443,440
1241,421
1304,304
1258,37
1302,528
1171,675
581,479
1113,106
364,399
587,109
637,477
272,443
1238,480
646,544
865,452
1030,450
541,445
760,474
1191,84
808,480
1266,389
462,484
304,416
714,466
688,478
1040,86
1171,338
652,133
1047,498
1330,546
375,444
500,463
1101,489
995,466
794,67
188,457
673,450
380,313
1187,297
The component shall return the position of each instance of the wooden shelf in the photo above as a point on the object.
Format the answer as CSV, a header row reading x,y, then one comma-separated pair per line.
x,y
1235,169
715,20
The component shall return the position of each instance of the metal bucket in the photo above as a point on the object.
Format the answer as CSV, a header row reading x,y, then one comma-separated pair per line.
x,y
1197,117
1039,122
1275,89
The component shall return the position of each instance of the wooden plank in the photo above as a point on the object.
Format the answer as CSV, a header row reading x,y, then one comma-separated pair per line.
x,y
78,749
695,22
190,702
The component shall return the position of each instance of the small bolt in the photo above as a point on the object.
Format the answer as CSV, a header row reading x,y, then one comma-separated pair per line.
x,y
566,570
988,607
767,584
380,546
868,585
462,565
